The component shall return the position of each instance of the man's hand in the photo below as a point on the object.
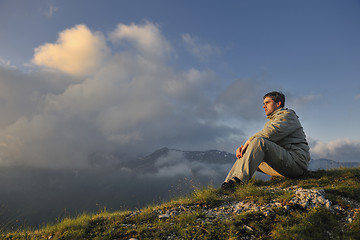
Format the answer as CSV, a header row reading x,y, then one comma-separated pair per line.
x,y
241,150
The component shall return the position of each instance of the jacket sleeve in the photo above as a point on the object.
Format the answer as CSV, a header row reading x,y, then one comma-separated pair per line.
x,y
278,128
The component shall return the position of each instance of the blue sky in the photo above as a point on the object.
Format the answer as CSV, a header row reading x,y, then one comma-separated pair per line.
x,y
128,77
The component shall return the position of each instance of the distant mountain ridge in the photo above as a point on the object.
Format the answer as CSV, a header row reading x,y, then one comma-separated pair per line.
x,y
209,157
326,164
223,157
149,163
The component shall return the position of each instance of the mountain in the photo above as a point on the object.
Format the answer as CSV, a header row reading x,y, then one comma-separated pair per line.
x,y
194,160
325,164
217,157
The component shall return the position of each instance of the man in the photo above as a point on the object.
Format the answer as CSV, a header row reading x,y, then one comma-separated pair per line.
x,y
280,149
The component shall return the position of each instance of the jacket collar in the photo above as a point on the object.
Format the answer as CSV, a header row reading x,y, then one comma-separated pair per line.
x,y
271,116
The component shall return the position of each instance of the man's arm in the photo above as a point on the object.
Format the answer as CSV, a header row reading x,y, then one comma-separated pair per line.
x,y
274,130
241,150
280,127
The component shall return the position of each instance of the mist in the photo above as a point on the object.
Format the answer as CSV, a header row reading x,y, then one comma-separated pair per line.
x,y
32,196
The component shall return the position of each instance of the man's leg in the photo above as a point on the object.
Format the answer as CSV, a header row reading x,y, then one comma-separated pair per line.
x,y
277,161
265,168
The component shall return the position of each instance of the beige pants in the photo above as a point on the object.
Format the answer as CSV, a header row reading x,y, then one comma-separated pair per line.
x,y
269,157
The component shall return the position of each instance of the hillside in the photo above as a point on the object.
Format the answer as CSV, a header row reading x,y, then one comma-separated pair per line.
x,y
320,205
33,196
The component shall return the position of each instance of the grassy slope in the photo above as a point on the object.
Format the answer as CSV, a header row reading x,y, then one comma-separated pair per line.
x,y
342,187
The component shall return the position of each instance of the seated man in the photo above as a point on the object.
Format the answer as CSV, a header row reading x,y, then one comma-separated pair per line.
x,y
280,149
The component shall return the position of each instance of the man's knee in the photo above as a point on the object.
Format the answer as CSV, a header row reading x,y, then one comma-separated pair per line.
x,y
258,143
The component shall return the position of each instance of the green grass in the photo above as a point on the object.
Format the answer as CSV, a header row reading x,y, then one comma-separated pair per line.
x,y
255,194
207,196
192,223
316,223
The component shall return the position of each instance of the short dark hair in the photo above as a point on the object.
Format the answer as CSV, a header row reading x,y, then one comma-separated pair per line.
x,y
277,97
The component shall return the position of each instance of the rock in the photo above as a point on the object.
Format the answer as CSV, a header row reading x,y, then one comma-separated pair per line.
x,y
327,204
248,227
164,216
305,198
308,198
287,208
277,204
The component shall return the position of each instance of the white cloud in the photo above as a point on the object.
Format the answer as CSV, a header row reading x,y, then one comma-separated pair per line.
x,y
172,165
342,150
51,10
199,50
78,52
6,63
146,39
175,164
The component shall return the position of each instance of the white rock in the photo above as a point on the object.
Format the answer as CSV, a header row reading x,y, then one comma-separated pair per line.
x,y
287,208
277,204
162,216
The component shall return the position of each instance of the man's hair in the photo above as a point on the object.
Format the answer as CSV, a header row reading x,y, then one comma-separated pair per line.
x,y
277,97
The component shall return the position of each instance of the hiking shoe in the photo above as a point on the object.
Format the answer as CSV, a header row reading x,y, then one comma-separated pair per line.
x,y
231,184
238,181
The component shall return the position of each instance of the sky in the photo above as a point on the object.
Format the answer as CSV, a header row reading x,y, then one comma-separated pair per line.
x,y
128,77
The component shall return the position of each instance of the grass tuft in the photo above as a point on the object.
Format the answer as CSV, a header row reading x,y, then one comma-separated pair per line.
x,y
316,223
207,196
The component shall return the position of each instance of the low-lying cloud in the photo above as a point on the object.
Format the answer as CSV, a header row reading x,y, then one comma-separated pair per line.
x,y
342,150
176,164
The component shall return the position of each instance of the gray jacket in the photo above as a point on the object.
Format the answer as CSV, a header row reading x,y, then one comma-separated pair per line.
x,y
284,129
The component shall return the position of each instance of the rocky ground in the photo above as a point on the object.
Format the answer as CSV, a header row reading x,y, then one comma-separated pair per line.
x,y
303,199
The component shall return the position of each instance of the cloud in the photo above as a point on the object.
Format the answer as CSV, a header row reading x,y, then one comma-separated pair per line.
x,y
301,101
78,52
172,165
6,63
342,150
127,103
242,99
21,94
176,164
199,50
146,39
51,10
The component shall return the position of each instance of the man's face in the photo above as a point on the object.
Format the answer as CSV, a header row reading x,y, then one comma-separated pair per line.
x,y
270,106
